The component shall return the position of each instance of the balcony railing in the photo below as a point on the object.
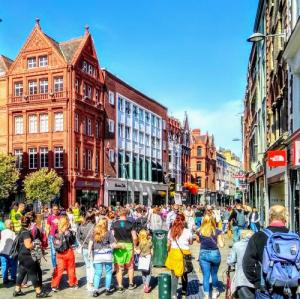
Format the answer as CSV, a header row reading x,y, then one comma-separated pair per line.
x,y
38,97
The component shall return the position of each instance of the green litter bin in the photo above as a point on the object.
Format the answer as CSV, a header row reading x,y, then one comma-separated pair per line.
x,y
159,240
164,286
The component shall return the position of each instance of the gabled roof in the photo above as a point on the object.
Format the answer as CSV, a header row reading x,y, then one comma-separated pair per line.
x,y
69,48
5,64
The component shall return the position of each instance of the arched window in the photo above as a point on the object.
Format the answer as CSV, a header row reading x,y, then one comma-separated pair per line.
x,y
199,151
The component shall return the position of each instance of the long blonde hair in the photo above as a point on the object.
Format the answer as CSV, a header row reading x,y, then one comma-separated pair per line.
x,y
63,222
143,237
208,226
100,230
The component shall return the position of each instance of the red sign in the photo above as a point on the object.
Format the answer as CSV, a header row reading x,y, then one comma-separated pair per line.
x,y
277,158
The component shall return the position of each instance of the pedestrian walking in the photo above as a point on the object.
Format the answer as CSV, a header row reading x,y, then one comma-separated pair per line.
x,y
238,220
100,254
28,263
8,264
155,221
144,250
272,258
211,239
63,241
126,238
84,235
179,241
240,286
254,220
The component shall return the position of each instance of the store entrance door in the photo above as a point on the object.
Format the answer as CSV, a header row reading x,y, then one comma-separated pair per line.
x,y
87,198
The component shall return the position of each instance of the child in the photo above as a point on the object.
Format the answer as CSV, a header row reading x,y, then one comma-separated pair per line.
x,y
144,249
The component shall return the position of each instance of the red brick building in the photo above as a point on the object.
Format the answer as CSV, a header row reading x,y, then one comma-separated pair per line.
x,y
203,163
54,113
135,145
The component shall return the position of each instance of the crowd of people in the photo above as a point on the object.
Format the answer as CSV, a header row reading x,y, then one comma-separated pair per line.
x,y
118,240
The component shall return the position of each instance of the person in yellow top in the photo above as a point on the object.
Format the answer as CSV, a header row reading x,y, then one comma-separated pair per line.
x,y
14,209
179,241
76,213
16,217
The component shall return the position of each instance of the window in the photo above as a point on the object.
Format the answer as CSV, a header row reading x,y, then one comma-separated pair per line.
x,y
32,158
141,138
18,89
19,124
84,66
164,145
164,124
43,123
84,126
84,159
97,162
153,141
157,123
135,112
147,140
127,133
97,129
135,135
199,151
44,86
127,108
141,115
76,122
89,127
32,123
77,157
111,97
44,157
87,91
58,84
19,158
89,160
158,143
111,126
120,130
58,121
43,61
153,120
32,87
147,117
77,85
91,70
111,155
199,166
120,104
58,157
97,95
31,62
198,181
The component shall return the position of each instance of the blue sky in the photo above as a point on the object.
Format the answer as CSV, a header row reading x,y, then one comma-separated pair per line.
x,y
190,55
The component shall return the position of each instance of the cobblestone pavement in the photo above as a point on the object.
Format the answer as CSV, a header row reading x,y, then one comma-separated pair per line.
x,y
6,292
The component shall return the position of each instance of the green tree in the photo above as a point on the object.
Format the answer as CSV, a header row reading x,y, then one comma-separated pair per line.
x,y
42,185
9,175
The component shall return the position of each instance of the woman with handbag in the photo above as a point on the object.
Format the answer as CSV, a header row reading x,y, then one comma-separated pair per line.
x,y
100,254
178,259
210,258
84,235
28,263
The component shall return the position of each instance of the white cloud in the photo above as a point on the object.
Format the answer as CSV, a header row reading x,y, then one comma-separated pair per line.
x,y
224,122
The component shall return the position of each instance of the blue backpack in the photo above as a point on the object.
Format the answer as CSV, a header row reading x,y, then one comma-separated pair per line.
x,y
281,261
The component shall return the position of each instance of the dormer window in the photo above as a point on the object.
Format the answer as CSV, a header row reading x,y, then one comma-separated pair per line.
x,y
84,66
43,61
90,70
31,62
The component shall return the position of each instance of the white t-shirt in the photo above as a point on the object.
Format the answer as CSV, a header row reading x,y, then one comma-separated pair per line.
x,y
183,240
6,242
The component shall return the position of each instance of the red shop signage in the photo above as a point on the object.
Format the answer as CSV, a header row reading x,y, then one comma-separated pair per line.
x,y
277,158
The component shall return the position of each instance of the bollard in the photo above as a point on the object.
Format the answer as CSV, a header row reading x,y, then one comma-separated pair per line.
x,y
164,286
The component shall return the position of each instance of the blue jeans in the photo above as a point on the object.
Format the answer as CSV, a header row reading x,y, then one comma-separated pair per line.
x,y
88,266
236,233
98,267
52,251
209,261
8,263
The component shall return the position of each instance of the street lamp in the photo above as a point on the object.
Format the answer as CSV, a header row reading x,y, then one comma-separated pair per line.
x,y
258,36
126,174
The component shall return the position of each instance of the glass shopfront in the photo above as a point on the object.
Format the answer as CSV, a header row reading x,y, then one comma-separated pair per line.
x,y
87,198
118,196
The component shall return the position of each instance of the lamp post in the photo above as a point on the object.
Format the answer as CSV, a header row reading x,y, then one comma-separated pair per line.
x,y
126,175
258,36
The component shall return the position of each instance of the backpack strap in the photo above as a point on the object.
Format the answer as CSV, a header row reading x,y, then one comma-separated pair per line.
x,y
268,232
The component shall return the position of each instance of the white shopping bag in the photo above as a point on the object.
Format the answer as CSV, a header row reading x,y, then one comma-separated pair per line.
x,y
144,263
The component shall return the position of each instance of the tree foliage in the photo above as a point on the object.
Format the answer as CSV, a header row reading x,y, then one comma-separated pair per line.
x,y
9,175
43,185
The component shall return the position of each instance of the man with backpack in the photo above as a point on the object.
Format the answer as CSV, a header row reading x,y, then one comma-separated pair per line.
x,y
272,259
238,220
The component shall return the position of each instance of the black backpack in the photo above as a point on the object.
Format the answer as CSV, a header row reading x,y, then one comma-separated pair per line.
x,y
15,248
139,224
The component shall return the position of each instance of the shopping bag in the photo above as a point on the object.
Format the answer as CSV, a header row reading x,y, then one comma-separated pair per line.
x,y
144,263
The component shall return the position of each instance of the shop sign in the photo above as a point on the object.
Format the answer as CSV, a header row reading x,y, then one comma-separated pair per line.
x,y
87,184
277,158
296,160
239,175
120,185
177,199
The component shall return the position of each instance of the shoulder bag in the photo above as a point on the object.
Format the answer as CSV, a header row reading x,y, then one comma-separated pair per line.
x,y
187,261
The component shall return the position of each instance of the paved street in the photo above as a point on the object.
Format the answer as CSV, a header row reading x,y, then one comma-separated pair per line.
x,y
6,293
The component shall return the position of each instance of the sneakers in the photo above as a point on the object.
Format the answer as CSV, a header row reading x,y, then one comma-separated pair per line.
x,y
120,289
215,294
96,294
55,290
109,292
18,293
132,286
74,287
42,295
